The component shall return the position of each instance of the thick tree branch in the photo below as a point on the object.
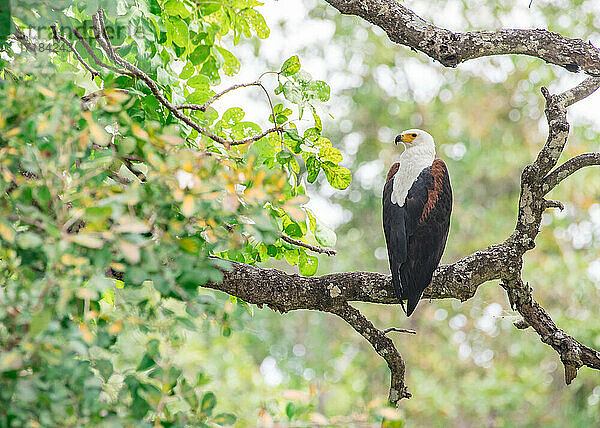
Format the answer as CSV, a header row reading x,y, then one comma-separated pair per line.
x,y
405,27
572,353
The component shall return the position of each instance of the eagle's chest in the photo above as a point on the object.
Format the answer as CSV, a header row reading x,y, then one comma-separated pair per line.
x,y
408,171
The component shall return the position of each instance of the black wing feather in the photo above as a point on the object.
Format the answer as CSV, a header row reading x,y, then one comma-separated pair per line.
x,y
395,235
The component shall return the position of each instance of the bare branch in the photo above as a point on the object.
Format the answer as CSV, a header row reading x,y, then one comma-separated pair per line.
x,y
97,60
21,37
399,330
572,353
215,97
59,37
569,167
382,345
315,248
579,92
405,27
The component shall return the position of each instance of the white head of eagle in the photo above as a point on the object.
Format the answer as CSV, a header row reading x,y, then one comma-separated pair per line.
x,y
417,201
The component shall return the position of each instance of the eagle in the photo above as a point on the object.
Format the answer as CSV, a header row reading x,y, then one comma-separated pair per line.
x,y
417,201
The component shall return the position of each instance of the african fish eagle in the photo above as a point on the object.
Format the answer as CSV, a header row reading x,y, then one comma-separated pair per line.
x,y
417,201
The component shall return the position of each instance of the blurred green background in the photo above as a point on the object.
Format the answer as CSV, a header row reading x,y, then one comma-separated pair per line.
x,y
468,365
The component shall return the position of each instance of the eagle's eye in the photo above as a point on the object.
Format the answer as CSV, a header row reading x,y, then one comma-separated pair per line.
x,y
413,135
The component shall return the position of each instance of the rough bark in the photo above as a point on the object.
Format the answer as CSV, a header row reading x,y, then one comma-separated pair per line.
x,y
405,27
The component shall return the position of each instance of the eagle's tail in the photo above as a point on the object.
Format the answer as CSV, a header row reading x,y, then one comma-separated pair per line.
x,y
398,289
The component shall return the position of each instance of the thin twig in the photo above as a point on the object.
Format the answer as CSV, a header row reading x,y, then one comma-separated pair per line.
x,y
215,97
27,220
59,37
315,248
98,61
399,330
21,37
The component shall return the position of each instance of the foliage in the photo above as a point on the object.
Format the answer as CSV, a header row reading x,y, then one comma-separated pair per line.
x,y
110,218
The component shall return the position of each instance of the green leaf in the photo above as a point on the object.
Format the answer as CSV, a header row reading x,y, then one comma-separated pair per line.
x,y
40,321
179,31
5,21
330,153
308,264
151,106
199,81
199,96
291,66
42,195
324,235
146,363
105,368
319,89
292,93
312,134
338,176
233,116
292,257
176,7
199,55
29,240
209,401
231,64
313,167
225,419
188,71
290,410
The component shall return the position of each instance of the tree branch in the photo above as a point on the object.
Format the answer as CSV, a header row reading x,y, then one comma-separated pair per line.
x,y
103,40
58,37
569,167
405,27
215,97
315,248
382,344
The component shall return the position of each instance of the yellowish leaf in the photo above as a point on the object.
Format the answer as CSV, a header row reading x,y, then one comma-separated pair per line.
x,y
13,132
130,251
187,208
131,225
7,232
47,92
116,327
70,260
85,333
87,240
230,202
